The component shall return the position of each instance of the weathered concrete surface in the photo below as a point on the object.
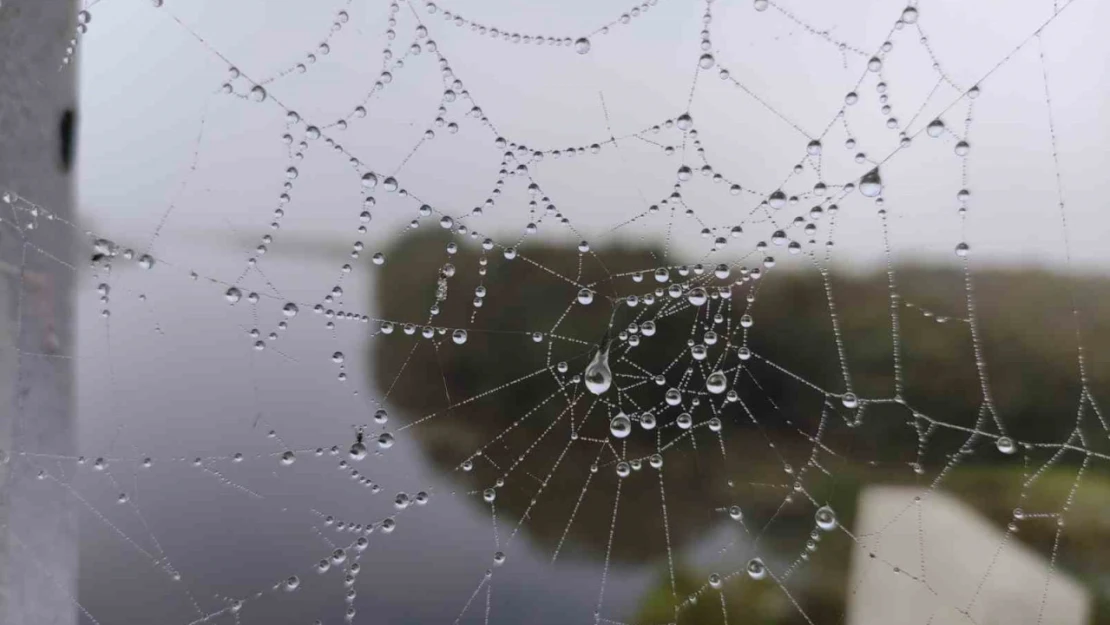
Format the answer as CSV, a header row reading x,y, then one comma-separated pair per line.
x,y
956,547
38,537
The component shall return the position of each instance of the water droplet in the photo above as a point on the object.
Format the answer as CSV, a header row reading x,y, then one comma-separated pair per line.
x,y
647,421
697,296
369,180
292,583
962,249
598,376
489,495
826,518
338,556
288,458
358,451
146,261
623,469
1005,444
673,397
582,45
935,128
258,93
962,148
871,185
233,295
814,148
756,569
849,400
620,426
761,5
777,199
684,421
459,336
84,17
290,310
716,383
656,461
875,64
385,441
684,122
909,15
706,61
735,513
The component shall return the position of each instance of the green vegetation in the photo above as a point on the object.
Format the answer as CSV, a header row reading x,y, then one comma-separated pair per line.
x,y
1028,342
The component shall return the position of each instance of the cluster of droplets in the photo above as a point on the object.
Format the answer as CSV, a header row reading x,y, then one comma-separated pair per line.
x,y
580,44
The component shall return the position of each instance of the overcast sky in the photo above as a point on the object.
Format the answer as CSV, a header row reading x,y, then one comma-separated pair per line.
x,y
147,83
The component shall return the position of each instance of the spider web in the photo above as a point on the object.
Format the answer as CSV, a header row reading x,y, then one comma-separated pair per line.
x,y
408,314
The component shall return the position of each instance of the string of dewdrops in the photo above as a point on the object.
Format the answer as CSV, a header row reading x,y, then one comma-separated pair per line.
x,y
707,380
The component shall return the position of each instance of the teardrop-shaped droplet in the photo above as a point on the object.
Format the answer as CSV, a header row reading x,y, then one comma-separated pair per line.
x,y
620,426
871,185
598,375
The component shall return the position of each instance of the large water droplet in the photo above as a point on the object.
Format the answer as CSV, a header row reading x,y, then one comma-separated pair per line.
x,y
358,451
620,426
871,185
935,128
756,569
258,93
697,296
716,383
598,376
582,45
826,518
1005,444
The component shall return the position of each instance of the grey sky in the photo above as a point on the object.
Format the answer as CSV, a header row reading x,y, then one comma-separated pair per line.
x,y
147,82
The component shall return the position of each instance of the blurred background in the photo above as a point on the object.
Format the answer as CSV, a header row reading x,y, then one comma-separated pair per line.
x,y
221,153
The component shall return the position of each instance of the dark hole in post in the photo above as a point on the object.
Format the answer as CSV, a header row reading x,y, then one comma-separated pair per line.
x,y
68,139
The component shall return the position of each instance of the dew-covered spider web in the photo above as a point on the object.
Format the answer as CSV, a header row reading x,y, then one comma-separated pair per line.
x,y
477,311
